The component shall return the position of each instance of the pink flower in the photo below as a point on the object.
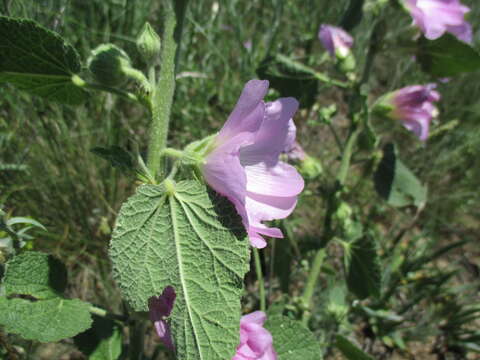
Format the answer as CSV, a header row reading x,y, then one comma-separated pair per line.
x,y
413,105
435,17
242,161
256,342
160,308
336,40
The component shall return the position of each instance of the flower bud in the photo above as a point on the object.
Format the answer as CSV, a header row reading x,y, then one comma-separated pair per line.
x,y
412,105
335,40
107,63
148,44
311,167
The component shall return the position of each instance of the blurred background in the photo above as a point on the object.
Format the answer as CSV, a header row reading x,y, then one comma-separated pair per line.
x,y
429,306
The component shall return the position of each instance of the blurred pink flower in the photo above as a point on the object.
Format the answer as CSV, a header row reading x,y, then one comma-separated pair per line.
x,y
335,40
160,308
242,161
256,342
413,105
435,17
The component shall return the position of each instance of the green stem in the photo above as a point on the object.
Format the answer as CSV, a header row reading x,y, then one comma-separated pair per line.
x,y
347,156
105,314
162,98
261,283
311,284
77,80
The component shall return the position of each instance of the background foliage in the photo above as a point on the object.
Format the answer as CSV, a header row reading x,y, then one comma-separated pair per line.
x,y
426,302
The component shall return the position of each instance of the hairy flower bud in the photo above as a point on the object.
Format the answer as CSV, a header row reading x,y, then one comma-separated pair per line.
x,y
148,44
107,63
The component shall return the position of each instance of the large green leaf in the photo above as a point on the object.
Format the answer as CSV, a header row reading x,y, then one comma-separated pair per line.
x,y
364,276
396,183
447,56
351,351
191,239
39,61
33,307
291,340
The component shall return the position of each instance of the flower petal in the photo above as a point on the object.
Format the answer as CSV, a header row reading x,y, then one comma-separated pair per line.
x,y
279,180
256,317
264,208
249,110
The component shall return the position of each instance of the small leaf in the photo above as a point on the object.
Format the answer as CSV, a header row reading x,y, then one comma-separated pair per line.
x,y
103,341
193,240
38,61
291,340
364,276
351,351
447,56
117,156
396,183
45,320
33,283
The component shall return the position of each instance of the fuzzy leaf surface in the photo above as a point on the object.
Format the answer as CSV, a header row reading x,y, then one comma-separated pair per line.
x,y
291,340
193,240
45,320
38,61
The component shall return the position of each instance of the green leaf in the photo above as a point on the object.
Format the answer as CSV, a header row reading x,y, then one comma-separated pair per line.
x,y
45,320
447,56
364,276
351,351
291,340
35,274
396,183
38,61
191,239
103,341
33,283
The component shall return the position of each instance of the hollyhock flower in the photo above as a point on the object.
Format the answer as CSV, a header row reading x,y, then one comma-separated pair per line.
x,y
160,308
256,342
335,40
413,105
241,162
435,17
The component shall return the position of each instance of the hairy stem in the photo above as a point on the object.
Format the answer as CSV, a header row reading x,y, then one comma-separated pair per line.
x,y
162,97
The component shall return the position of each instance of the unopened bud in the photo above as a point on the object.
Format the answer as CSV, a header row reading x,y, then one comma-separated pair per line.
x,y
311,167
107,63
148,44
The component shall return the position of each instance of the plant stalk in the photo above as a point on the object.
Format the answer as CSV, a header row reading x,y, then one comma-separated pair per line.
x,y
261,283
311,284
162,97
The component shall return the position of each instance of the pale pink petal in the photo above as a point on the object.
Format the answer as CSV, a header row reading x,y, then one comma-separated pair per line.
x,y
261,340
265,208
279,180
270,354
256,317
248,113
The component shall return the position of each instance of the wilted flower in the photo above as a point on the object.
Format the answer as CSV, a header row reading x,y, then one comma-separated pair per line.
x,y
242,162
335,40
413,105
435,17
256,342
160,308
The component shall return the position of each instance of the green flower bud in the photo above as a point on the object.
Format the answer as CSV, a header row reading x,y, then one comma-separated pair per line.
x,y
107,63
311,167
148,44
